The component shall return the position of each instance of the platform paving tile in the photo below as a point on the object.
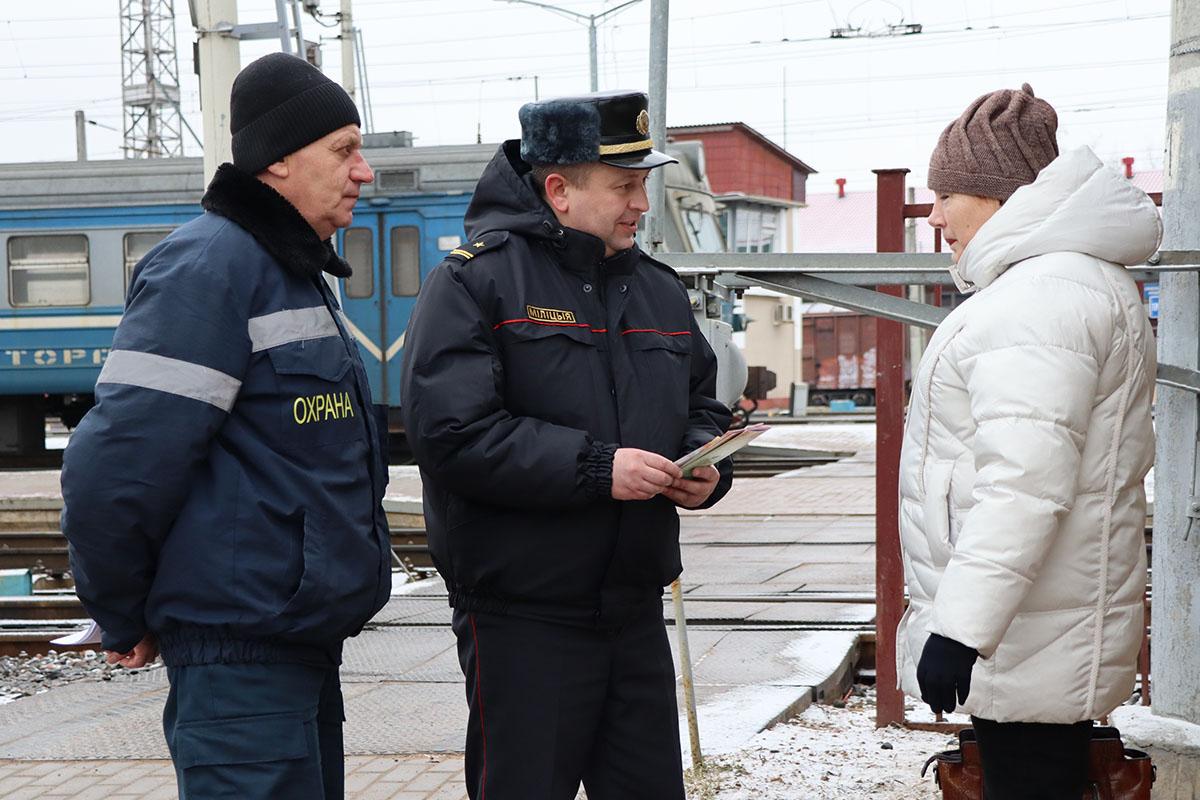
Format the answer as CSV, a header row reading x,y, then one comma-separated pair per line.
x,y
387,777
818,495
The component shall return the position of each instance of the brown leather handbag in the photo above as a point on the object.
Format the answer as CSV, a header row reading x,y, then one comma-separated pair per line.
x,y
1115,772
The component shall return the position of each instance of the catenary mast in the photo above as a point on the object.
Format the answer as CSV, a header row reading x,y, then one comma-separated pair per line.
x,y
150,80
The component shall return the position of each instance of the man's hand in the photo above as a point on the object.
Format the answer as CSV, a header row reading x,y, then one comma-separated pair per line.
x,y
692,492
640,474
142,653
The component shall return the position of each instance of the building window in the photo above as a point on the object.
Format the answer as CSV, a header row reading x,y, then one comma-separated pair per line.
x,y
136,245
49,270
358,247
756,229
406,261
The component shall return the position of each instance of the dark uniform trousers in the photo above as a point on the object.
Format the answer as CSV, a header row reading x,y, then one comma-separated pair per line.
x,y
552,705
1033,760
256,731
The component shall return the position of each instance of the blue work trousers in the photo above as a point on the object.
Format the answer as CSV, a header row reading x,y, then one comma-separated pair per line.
x,y
256,731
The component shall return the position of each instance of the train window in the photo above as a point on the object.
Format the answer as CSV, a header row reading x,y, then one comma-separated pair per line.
x,y
406,261
137,244
49,270
359,249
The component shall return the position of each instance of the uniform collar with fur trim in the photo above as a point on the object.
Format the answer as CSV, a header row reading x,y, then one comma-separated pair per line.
x,y
274,222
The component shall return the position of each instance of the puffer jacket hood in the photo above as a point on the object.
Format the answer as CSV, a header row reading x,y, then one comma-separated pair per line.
x,y
1076,205
1027,441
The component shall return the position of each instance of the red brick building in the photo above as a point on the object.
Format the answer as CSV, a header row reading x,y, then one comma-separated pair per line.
x,y
743,161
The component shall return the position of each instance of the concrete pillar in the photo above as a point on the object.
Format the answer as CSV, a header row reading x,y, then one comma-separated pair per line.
x,y
220,61
660,13
1176,622
347,37
1169,731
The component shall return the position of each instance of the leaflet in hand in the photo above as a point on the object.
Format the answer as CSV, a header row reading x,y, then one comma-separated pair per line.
x,y
89,635
719,448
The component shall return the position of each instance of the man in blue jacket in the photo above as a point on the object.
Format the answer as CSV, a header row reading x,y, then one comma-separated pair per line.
x,y
223,498
552,372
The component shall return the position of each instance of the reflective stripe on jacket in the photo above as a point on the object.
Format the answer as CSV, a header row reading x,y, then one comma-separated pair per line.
x,y
225,491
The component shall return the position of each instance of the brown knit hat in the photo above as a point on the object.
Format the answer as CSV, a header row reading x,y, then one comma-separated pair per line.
x,y
999,144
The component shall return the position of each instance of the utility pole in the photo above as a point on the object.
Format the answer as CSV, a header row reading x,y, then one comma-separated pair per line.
x,y
659,17
785,116
347,37
591,20
1176,620
80,136
220,61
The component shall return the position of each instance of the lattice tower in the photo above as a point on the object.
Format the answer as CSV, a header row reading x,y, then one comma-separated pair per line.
x,y
150,79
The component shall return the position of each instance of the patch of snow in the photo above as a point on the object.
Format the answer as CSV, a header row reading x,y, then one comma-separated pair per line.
x,y
1142,728
730,719
826,753
402,584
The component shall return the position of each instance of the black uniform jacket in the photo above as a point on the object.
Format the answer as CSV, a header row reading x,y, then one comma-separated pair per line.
x,y
529,359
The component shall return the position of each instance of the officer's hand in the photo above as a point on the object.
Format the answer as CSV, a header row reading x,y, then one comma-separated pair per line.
x,y
142,654
944,672
640,474
692,492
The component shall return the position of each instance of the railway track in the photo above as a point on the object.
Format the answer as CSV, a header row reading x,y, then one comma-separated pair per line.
x,y
769,462
45,551
28,624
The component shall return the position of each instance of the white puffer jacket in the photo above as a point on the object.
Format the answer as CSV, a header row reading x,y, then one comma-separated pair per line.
x,y
1029,434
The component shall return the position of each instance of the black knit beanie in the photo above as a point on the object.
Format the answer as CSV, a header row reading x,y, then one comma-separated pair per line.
x,y
279,104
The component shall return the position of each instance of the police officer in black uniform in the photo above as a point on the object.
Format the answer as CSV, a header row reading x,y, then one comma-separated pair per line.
x,y
552,373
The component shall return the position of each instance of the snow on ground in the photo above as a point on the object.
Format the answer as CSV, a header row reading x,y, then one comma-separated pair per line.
x,y
826,753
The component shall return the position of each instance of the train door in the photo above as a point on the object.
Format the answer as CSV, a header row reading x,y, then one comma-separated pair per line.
x,y
391,252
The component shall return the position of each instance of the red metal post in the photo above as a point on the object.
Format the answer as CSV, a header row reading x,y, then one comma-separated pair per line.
x,y
889,430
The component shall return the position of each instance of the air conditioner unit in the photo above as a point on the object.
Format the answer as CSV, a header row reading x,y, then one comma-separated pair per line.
x,y
784,312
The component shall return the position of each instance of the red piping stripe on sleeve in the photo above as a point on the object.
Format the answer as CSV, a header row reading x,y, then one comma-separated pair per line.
x,y
656,330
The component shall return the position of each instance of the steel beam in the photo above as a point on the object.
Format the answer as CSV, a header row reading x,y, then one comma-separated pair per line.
x,y
855,298
1179,378
861,269
868,269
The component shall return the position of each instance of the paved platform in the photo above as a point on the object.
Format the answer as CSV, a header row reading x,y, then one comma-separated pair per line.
x,y
416,777
774,579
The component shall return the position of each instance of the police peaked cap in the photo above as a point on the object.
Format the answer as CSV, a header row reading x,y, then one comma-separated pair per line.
x,y
610,127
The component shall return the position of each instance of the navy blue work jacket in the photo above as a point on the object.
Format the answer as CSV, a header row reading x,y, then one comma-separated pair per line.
x,y
225,493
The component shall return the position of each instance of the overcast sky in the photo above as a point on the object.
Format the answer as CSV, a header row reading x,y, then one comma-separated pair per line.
x,y
452,70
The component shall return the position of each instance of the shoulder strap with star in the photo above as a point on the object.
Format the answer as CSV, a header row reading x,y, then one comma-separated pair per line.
x,y
489,241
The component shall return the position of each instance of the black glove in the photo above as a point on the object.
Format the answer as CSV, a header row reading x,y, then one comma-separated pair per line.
x,y
943,671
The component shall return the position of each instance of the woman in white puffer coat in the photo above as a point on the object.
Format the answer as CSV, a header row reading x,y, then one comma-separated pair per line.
x,y
1027,442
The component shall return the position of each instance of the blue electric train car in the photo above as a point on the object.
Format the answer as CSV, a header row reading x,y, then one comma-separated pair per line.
x,y
71,233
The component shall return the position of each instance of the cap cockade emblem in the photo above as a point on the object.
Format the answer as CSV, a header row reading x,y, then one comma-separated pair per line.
x,y
643,122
